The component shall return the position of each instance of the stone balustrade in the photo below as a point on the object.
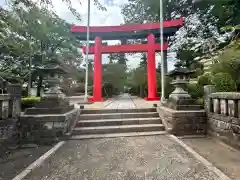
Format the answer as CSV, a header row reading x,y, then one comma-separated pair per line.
x,y
9,115
223,116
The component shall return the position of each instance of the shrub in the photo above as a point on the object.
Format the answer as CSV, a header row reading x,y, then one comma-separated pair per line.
x,y
205,79
29,102
195,90
200,101
224,83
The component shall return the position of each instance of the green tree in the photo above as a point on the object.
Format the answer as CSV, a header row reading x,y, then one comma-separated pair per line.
x,y
139,79
224,83
38,34
115,75
203,19
68,3
143,62
229,62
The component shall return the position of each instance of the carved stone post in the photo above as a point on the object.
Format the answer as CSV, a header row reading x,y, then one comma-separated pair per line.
x,y
4,106
218,107
210,105
15,91
226,107
235,106
208,89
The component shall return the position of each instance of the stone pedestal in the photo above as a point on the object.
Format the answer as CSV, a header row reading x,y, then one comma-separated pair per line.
x,y
181,114
185,122
51,119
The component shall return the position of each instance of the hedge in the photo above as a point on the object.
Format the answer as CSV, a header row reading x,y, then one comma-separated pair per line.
x,y
29,102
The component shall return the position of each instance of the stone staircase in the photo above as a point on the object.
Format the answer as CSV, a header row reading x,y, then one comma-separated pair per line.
x,y
117,122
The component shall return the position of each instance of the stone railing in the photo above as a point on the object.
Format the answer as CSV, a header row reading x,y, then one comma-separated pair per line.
x,y
9,115
223,116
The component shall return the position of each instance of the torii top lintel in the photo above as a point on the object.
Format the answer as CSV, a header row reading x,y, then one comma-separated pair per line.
x,y
128,31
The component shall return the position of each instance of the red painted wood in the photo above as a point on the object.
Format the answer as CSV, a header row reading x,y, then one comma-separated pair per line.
x,y
151,68
128,27
126,48
97,88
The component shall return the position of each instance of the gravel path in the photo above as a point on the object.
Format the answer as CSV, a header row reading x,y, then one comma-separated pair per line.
x,y
125,158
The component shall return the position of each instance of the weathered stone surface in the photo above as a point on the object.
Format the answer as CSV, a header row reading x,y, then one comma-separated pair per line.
x,y
8,134
208,89
183,122
59,110
225,128
47,128
225,95
132,158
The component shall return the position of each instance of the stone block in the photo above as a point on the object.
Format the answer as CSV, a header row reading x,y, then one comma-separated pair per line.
x,y
184,122
49,127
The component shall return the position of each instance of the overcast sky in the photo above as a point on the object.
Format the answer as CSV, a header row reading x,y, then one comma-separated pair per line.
x,y
112,16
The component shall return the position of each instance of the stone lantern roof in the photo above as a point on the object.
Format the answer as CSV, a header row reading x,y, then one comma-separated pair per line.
x,y
51,68
180,71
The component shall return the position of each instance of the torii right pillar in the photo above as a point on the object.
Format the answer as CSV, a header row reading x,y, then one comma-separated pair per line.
x,y
151,70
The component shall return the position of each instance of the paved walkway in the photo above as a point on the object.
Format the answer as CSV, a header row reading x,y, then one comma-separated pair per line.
x,y
220,155
122,101
125,158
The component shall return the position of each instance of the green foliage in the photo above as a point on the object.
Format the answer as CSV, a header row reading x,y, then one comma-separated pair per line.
x,y
206,16
114,74
27,99
205,79
229,62
143,62
224,83
195,90
68,3
200,101
168,86
37,34
29,102
118,58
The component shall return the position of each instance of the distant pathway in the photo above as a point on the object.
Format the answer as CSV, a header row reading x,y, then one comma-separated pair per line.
x,y
123,101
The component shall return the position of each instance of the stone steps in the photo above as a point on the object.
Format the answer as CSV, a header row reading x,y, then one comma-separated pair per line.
x,y
119,129
117,122
119,115
110,122
105,111
113,135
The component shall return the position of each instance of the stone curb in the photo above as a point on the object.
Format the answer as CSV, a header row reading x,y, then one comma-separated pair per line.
x,y
38,162
205,162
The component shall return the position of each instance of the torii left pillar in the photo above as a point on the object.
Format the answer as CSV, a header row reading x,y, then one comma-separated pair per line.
x,y
151,70
97,80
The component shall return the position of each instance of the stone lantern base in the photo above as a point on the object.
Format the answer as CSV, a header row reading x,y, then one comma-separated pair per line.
x,y
183,103
50,120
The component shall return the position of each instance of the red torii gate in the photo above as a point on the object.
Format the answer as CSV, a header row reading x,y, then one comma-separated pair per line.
x,y
138,31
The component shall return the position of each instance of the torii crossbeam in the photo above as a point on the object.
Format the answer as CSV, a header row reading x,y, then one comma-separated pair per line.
x,y
123,32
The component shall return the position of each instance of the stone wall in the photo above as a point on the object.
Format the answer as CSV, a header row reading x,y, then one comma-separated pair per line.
x,y
47,128
8,135
9,115
223,117
183,122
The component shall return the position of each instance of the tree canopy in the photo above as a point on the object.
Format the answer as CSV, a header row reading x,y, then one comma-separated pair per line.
x,y
38,35
203,19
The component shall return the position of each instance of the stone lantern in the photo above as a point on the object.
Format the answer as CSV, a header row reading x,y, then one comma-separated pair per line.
x,y
53,116
179,99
